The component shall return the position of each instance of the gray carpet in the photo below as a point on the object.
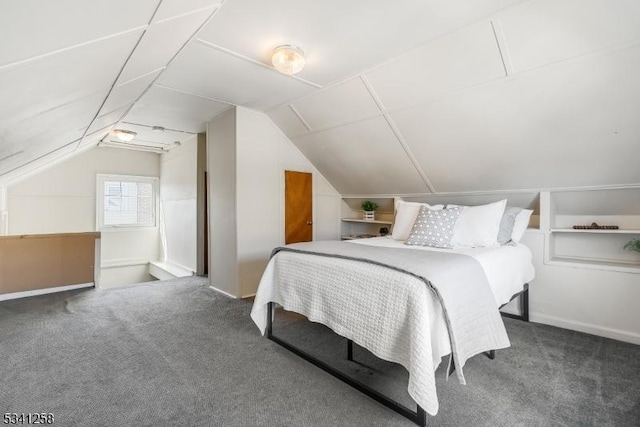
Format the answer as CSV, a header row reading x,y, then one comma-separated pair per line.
x,y
178,353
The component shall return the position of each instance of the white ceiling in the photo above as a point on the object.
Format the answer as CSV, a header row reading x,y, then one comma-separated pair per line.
x,y
403,97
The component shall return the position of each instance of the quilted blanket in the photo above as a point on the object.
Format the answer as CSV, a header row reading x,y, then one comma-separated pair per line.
x,y
385,299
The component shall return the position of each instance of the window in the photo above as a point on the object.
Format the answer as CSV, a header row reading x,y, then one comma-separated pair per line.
x,y
126,201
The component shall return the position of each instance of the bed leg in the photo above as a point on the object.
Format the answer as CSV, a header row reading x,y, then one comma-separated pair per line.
x,y
269,320
421,417
492,354
350,350
525,304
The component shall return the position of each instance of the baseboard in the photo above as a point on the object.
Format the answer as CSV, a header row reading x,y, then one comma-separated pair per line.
x,y
24,294
165,270
600,331
249,295
510,310
123,262
227,294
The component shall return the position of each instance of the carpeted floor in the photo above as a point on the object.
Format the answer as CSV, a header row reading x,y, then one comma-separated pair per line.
x,y
177,353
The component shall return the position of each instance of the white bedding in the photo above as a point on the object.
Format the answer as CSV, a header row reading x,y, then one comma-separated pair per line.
x,y
507,267
348,296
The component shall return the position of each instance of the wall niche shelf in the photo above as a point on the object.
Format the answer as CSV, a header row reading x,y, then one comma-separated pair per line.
x,y
627,267
375,221
352,224
591,248
597,231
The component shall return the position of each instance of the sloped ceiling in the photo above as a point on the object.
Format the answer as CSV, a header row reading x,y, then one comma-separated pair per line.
x,y
403,97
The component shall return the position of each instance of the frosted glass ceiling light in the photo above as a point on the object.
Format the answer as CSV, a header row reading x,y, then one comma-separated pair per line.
x,y
124,135
288,59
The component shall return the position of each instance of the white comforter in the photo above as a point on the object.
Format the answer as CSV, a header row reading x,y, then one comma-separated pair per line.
x,y
347,296
507,267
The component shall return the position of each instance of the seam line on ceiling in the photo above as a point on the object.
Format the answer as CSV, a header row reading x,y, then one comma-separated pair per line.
x,y
604,50
299,116
151,84
372,93
155,12
11,155
207,98
120,107
157,70
42,156
101,129
65,49
425,43
501,43
345,123
182,15
505,192
115,81
598,52
253,61
168,129
407,150
113,85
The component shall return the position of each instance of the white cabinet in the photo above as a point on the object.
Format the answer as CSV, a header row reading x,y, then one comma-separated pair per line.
x,y
591,248
354,226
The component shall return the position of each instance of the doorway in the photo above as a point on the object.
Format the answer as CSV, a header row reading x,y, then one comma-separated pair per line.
x,y
202,218
298,207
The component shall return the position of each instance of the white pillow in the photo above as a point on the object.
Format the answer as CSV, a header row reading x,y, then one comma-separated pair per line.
x,y
506,225
406,214
479,225
520,224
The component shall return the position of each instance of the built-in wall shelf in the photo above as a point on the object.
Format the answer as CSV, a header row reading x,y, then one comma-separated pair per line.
x,y
375,221
354,226
596,264
602,249
362,236
597,231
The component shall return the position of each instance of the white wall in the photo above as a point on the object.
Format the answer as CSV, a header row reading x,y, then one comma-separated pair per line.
x,y
258,203
262,153
598,302
4,213
221,164
178,204
62,198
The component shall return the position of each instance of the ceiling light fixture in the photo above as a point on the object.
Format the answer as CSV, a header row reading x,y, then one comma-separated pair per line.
x,y
124,135
288,59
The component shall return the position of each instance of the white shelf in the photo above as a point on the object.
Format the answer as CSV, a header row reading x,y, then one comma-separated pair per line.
x,y
598,249
375,221
597,231
366,236
627,267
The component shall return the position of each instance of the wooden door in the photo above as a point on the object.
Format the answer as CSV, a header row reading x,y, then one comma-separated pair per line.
x,y
298,207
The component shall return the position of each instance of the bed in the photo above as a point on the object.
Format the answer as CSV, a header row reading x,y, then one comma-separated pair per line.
x,y
411,305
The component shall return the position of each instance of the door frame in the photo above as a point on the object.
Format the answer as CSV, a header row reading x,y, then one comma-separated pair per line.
x,y
202,207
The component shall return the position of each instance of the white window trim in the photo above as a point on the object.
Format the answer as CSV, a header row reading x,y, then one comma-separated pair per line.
x,y
101,178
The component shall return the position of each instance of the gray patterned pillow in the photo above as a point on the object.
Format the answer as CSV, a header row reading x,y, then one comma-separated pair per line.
x,y
434,228
506,226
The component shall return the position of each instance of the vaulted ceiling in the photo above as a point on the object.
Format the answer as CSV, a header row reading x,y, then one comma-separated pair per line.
x,y
403,97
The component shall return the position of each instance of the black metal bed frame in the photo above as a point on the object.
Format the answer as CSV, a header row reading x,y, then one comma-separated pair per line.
x,y
418,416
